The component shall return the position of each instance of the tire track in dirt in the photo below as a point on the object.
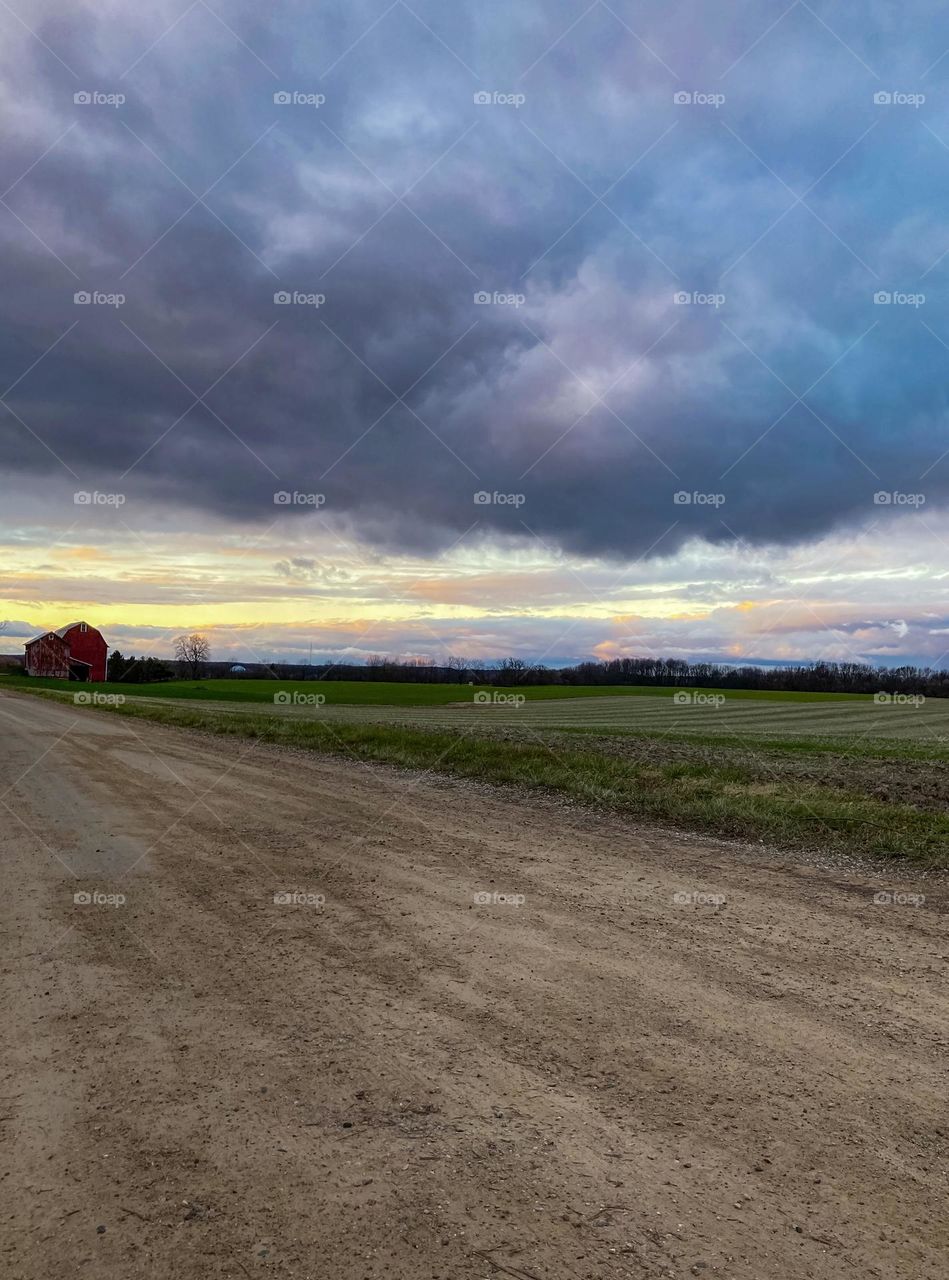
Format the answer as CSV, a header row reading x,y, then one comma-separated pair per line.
x,y
600,1082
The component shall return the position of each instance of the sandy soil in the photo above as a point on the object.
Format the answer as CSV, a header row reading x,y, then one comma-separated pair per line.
x,y
596,1080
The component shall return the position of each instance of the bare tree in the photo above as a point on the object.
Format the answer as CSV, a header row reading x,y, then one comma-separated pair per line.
x,y
514,671
193,651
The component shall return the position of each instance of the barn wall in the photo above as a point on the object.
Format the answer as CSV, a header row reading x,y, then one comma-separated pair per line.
x,y
89,646
48,656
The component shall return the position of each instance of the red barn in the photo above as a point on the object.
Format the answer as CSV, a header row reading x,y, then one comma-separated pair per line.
x,y
74,652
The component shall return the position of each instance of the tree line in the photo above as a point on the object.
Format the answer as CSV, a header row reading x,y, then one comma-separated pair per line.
x,y
192,654
813,677
193,658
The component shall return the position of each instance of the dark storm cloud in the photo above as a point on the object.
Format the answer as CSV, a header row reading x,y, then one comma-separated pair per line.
x,y
582,398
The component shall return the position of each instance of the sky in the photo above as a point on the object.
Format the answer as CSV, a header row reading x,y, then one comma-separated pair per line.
x,y
553,329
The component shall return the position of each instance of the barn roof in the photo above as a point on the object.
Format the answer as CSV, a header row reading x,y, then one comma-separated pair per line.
x,y
60,631
44,635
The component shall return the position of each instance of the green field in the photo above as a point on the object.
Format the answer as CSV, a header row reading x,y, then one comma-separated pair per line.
x,y
853,720
397,694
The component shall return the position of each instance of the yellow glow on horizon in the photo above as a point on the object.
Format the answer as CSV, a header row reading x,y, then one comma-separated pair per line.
x,y
274,591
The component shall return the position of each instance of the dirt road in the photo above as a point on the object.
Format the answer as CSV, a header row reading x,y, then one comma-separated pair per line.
x,y
613,1075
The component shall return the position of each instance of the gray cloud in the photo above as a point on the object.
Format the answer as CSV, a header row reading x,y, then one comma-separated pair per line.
x,y
594,395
